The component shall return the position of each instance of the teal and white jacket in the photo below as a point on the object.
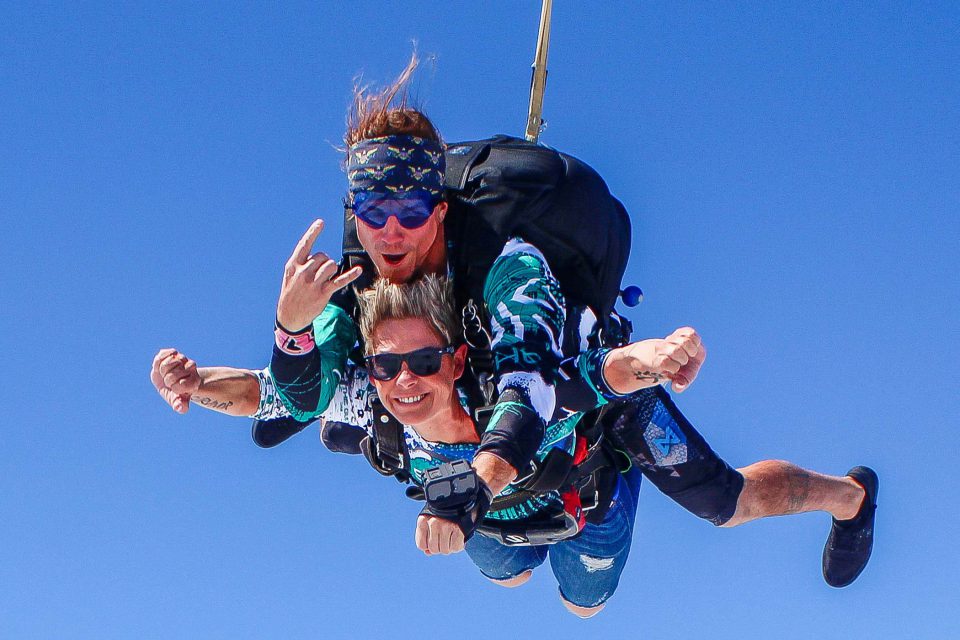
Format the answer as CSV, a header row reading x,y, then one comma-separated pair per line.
x,y
349,404
527,314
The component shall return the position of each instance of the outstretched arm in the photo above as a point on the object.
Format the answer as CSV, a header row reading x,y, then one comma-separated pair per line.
x,y
435,535
598,376
228,390
242,392
639,365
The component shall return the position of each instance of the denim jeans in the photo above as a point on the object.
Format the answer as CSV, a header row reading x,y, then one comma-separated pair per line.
x,y
587,567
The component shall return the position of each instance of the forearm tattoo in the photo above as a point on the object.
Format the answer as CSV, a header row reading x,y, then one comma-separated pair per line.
x,y
648,376
210,403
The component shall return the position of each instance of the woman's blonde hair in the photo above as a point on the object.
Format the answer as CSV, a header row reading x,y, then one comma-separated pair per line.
x,y
429,298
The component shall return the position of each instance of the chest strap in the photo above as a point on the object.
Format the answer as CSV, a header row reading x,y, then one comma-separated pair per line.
x,y
386,451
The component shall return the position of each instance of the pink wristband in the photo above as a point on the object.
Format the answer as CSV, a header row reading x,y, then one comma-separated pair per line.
x,y
295,344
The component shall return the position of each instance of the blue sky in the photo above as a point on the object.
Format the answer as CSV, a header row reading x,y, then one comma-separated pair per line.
x,y
792,174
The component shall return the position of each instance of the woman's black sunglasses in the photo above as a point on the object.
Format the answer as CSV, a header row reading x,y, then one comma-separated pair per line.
x,y
422,362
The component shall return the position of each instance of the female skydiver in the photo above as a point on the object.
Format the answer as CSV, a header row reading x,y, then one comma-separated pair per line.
x,y
638,367
415,357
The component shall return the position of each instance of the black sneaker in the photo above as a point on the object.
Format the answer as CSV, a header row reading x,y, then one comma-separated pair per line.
x,y
851,541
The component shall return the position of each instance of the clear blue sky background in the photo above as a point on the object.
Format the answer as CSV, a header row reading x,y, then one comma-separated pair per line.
x,y
792,173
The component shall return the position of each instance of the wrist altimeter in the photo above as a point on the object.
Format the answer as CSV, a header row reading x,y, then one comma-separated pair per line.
x,y
454,492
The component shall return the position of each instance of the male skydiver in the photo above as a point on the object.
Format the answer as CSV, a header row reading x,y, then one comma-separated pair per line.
x,y
397,202
395,172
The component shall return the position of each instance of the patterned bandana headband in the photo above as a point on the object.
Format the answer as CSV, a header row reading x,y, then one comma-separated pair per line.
x,y
396,164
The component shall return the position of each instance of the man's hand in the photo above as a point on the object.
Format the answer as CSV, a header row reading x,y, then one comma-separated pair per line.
x,y
308,282
677,358
227,390
438,536
176,378
687,342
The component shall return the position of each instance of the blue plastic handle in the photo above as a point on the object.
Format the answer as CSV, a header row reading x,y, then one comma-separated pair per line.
x,y
631,296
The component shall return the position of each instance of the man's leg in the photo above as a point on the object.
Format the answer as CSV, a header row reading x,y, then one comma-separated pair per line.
x,y
652,433
776,488
655,436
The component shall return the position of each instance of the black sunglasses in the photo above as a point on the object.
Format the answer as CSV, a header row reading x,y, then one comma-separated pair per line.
x,y
422,362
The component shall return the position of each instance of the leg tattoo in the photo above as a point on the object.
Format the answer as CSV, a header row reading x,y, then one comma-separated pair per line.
x,y
776,488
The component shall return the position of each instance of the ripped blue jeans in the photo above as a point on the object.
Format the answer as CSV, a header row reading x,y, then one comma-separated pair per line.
x,y
587,567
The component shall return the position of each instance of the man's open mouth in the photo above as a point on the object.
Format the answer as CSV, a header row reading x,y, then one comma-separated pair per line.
x,y
393,259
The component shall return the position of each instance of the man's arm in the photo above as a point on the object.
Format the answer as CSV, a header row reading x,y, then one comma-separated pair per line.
x,y
228,390
495,472
639,365
307,377
312,337
597,376
527,313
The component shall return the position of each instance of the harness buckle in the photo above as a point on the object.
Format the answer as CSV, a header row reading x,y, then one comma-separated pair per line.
x,y
591,449
563,527
593,501
532,470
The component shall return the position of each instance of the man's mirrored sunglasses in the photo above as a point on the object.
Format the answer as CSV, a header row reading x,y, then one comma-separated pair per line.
x,y
422,362
412,210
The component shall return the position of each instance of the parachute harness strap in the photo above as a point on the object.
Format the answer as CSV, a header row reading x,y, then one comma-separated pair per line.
x,y
479,353
389,448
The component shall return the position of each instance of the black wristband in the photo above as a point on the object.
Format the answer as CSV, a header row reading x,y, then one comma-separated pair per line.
x,y
306,329
294,343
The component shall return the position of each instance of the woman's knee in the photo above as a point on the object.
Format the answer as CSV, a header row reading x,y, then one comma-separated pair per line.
x,y
582,612
515,581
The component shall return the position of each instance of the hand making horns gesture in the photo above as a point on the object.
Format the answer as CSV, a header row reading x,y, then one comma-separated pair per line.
x,y
309,280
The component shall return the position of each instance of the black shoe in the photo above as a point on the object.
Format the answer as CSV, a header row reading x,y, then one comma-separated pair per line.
x,y
851,541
